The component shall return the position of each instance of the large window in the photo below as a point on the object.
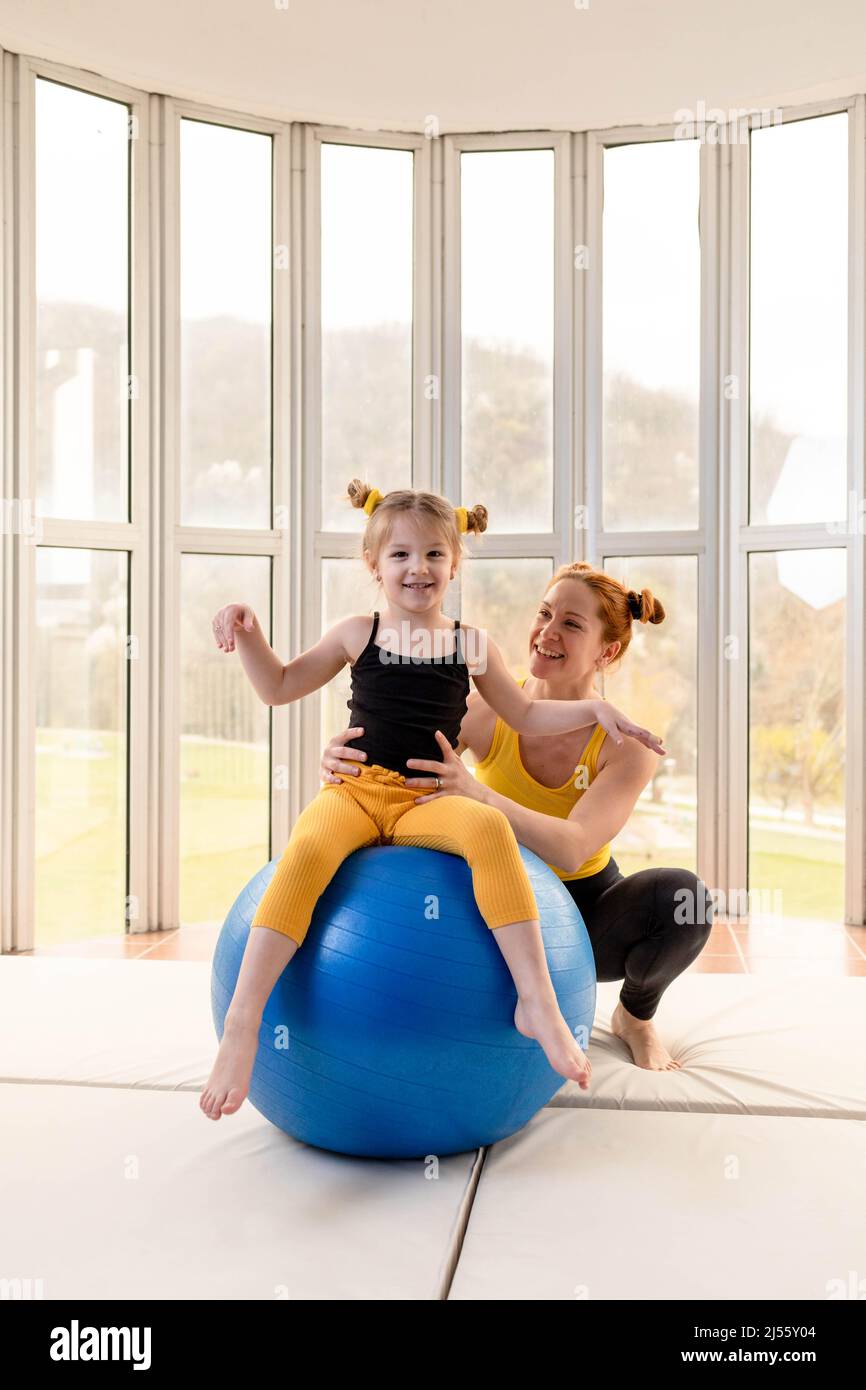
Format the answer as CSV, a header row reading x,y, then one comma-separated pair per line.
x,y
507,297
657,685
82,320
651,335
797,732
225,748
632,348
798,295
225,468
225,306
82,474
798,369
81,670
366,316
650,469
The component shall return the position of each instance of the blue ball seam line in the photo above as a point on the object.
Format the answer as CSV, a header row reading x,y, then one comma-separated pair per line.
x,y
267,1060
475,990
314,1116
275,1069
354,874
525,1045
436,1096
322,905
426,932
452,985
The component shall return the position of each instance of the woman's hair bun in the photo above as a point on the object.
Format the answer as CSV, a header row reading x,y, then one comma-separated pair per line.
x,y
476,519
644,606
358,492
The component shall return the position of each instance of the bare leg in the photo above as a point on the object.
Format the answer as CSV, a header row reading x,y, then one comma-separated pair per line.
x,y
266,955
330,828
538,1014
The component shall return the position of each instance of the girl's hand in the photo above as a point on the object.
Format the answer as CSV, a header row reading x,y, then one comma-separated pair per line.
x,y
455,779
336,751
233,616
616,723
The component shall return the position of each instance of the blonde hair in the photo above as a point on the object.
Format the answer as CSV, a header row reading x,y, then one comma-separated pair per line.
x,y
618,607
427,505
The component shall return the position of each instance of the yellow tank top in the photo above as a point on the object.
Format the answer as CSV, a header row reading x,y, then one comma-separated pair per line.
x,y
503,770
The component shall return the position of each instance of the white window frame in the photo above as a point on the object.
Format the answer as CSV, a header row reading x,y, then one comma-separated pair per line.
x,y
558,544
319,545
17,849
741,539
701,541
273,542
297,546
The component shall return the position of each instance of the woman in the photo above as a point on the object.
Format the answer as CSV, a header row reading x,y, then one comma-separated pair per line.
x,y
646,927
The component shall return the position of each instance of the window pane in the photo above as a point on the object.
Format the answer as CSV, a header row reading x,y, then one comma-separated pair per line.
x,y
656,685
225,740
799,325
651,309
347,587
82,323
82,604
506,287
367,220
502,596
225,331
797,733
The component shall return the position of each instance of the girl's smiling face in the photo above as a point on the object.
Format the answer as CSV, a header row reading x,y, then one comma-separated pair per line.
x,y
565,638
415,566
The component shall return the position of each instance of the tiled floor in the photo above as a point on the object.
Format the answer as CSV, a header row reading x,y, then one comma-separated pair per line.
x,y
793,947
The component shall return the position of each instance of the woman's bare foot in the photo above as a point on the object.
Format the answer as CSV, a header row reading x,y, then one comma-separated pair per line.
x,y
542,1019
229,1081
647,1049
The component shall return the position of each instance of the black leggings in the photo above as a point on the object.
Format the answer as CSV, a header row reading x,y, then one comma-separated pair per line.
x,y
643,927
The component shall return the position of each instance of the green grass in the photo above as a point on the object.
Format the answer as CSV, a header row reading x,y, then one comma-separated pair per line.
x,y
81,836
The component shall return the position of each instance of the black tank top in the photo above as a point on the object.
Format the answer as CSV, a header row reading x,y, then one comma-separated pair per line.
x,y
402,700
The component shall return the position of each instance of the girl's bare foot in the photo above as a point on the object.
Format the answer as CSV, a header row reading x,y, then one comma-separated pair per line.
x,y
542,1019
647,1048
229,1081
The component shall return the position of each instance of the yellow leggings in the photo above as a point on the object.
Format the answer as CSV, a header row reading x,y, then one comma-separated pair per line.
x,y
377,807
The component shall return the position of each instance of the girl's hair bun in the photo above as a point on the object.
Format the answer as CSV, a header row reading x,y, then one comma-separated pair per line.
x,y
358,492
476,519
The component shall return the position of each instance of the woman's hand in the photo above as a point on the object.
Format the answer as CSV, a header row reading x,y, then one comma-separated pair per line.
x,y
233,616
335,755
455,779
616,723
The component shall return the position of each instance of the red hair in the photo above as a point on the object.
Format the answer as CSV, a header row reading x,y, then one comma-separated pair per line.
x,y
618,607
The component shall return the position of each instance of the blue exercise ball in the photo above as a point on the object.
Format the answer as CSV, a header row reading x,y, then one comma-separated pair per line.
x,y
390,1033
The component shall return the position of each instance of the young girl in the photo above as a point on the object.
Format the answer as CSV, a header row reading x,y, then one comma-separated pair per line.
x,y
404,700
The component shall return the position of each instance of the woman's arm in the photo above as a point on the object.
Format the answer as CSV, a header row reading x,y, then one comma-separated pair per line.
x,y
598,817
567,842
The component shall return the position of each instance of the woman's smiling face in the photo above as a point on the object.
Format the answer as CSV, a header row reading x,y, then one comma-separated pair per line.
x,y
565,637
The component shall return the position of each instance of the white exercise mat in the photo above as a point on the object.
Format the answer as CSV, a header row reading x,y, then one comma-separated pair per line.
x,y
597,1204
747,1044
787,1046
112,1193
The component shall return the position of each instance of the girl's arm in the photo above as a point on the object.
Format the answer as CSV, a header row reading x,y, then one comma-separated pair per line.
x,y
274,683
527,716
